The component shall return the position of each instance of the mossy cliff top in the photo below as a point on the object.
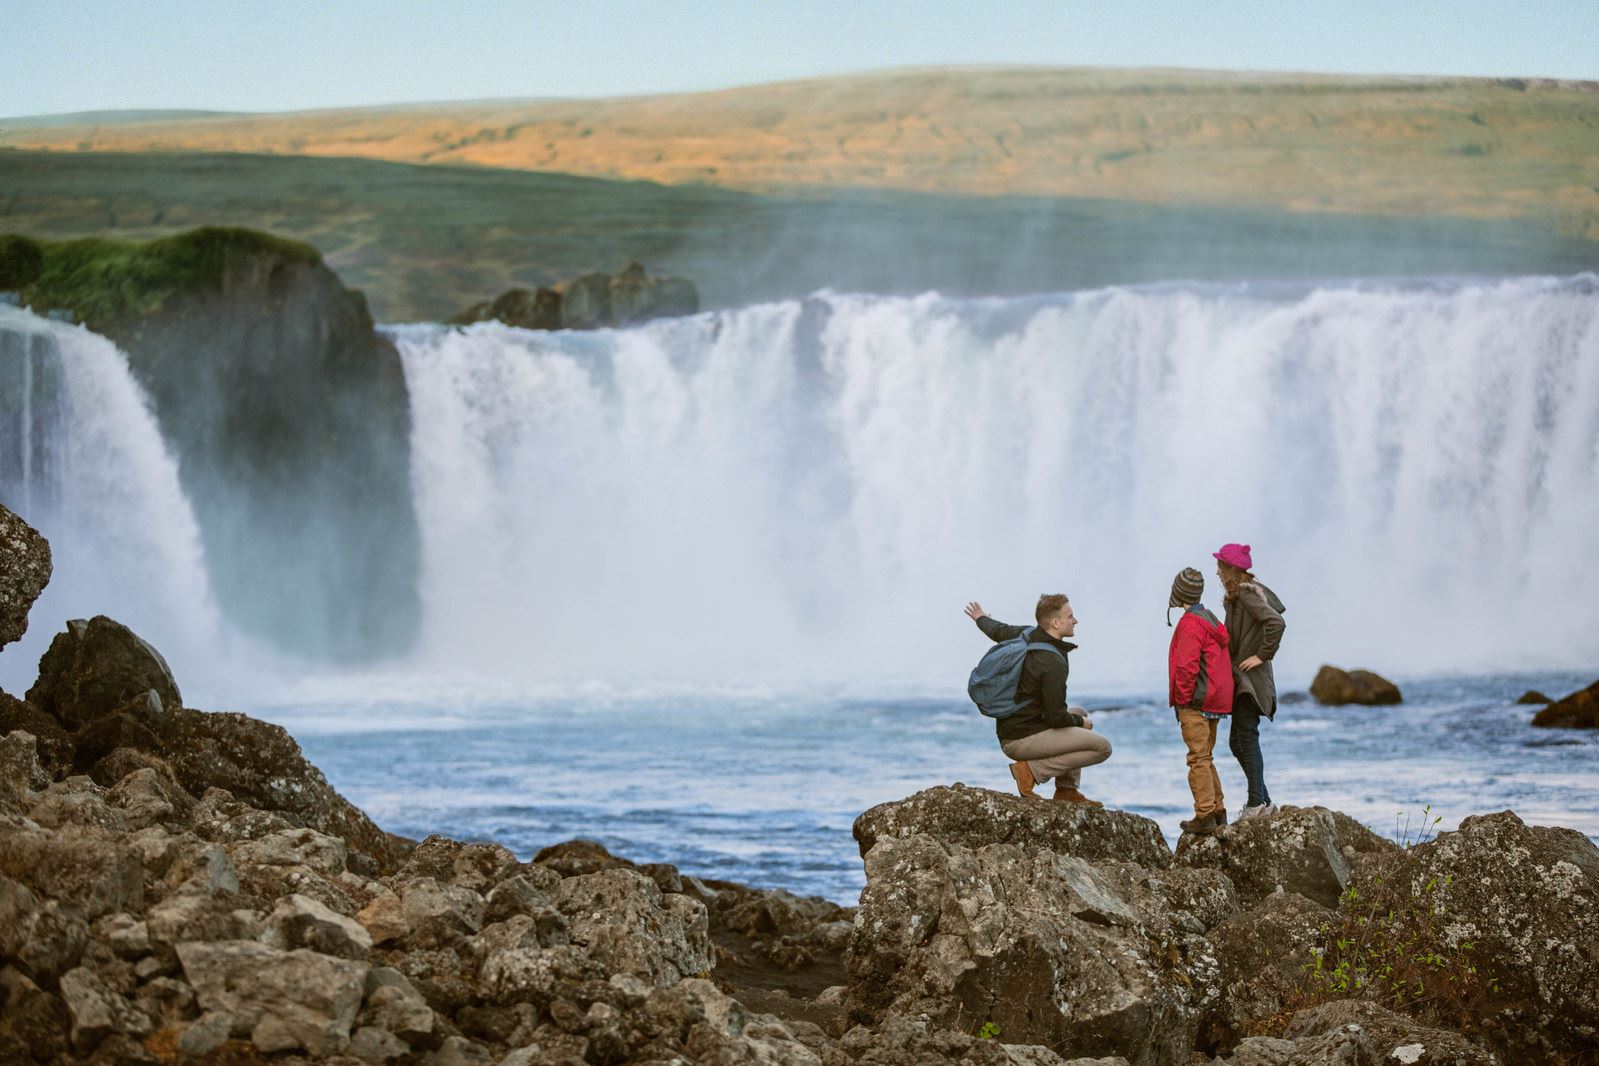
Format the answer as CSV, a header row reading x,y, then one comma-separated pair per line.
x,y
102,281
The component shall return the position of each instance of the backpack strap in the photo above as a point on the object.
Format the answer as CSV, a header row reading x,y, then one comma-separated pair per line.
x,y
1027,636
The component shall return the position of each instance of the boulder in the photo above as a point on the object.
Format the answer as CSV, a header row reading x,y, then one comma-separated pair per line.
x,y
1043,945
975,817
77,801
24,572
44,937
93,869
439,915
637,298
97,1011
94,667
523,308
627,925
1337,687
1580,710
1533,696
1396,1040
282,1000
20,772
1526,901
1345,1047
468,864
149,797
1262,955
1309,851
302,922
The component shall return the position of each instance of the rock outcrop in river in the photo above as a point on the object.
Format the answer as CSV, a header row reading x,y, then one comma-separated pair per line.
x,y
590,301
180,886
288,415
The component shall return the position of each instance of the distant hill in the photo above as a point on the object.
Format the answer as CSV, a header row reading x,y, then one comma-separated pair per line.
x,y
1505,148
428,241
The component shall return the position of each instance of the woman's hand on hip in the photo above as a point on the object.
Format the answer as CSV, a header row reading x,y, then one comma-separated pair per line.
x,y
1250,663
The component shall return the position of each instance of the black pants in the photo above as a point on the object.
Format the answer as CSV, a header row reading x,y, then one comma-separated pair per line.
x,y
1244,740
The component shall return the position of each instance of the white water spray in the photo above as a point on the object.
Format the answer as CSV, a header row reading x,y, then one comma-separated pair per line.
x,y
102,487
810,492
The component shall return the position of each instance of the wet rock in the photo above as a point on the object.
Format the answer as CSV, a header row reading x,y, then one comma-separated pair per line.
x,y
1338,687
1526,898
302,922
1580,710
1261,954
94,667
283,1000
1308,851
975,817
1533,696
1396,1040
1042,945
628,926
523,308
24,572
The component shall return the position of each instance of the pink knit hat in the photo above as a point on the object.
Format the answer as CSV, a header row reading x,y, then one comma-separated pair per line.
x,y
1235,555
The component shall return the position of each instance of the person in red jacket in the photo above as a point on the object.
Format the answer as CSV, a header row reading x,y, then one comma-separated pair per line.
x,y
1201,691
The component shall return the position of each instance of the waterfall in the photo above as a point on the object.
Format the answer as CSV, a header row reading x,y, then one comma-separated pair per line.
x,y
82,460
811,490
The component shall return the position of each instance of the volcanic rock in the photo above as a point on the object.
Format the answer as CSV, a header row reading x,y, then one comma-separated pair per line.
x,y
1262,954
94,667
1526,900
1309,851
627,925
976,817
1040,944
1394,1038
1580,710
302,922
24,572
1338,687
283,1000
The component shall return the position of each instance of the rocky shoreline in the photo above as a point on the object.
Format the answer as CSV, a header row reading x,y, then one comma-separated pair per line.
x,y
183,886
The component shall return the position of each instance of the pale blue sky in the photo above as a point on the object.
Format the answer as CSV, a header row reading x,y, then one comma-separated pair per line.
x,y
71,55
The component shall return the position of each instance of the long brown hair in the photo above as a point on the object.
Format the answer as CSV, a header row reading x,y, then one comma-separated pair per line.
x,y
1232,578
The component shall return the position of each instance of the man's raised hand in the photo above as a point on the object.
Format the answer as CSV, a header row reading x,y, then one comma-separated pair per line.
x,y
974,611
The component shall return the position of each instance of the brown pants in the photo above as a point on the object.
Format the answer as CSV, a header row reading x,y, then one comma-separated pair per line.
x,y
1059,753
1199,733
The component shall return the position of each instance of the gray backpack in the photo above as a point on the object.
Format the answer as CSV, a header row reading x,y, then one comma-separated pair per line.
x,y
993,682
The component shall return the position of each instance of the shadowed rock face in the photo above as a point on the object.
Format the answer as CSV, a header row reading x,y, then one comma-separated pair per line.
x,y
24,572
289,418
976,817
95,667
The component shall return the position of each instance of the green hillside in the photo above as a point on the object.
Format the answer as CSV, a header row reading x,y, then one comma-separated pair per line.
x,y
426,241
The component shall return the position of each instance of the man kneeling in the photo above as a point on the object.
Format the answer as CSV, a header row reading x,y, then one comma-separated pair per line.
x,y
1045,736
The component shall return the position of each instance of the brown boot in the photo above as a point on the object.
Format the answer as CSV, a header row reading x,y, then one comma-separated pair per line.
x,y
1065,793
1024,779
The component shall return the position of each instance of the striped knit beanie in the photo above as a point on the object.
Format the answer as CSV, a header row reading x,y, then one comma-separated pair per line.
x,y
1186,589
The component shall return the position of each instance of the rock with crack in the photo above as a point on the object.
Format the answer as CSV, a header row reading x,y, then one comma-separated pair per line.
x,y
1308,851
1045,946
281,1000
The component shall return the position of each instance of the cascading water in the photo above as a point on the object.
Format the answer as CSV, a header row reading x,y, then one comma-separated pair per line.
x,y
810,491
82,460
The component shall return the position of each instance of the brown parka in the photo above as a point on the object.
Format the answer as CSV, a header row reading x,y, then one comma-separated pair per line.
x,y
1255,624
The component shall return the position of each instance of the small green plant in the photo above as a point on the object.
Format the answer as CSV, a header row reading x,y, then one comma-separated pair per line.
x,y
1418,831
988,1031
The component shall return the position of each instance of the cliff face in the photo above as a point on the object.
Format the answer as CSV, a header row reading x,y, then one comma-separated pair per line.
x,y
289,418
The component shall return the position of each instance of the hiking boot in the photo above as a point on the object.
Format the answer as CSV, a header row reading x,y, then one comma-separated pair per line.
x,y
1024,779
1220,816
1068,794
1206,824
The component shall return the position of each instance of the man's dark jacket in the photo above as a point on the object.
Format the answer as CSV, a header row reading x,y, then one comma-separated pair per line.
x,y
1042,688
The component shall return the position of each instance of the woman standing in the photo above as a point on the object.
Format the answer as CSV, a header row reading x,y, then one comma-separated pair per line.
x,y
1254,619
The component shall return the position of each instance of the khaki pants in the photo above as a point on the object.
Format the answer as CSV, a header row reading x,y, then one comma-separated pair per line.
x,y
1059,753
1199,733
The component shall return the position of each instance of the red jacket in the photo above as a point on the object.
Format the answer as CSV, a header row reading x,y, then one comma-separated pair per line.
x,y
1201,672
